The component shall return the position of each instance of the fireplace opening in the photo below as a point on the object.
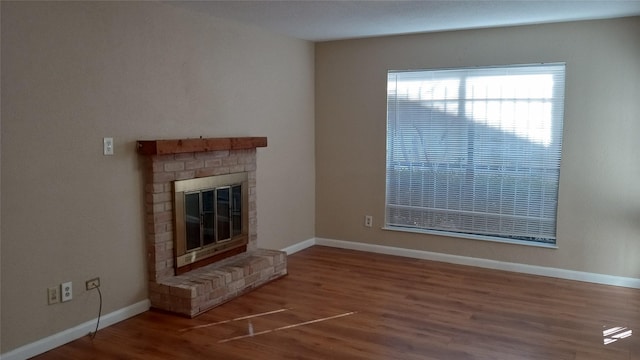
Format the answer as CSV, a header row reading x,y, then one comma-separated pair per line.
x,y
211,219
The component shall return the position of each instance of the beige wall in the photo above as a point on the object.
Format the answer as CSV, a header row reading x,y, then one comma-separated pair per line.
x,y
599,204
73,73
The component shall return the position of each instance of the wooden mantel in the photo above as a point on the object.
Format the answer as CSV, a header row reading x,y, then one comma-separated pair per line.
x,y
177,146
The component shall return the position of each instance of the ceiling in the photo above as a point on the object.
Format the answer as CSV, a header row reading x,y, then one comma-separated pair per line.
x,y
334,20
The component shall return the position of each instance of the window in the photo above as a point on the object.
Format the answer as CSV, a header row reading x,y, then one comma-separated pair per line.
x,y
475,152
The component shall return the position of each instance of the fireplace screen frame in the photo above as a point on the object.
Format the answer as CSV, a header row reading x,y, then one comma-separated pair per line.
x,y
184,256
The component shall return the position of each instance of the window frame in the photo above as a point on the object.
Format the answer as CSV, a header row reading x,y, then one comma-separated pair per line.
x,y
479,236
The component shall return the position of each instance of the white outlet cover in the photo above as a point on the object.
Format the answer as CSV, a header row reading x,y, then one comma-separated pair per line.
x,y
66,292
368,220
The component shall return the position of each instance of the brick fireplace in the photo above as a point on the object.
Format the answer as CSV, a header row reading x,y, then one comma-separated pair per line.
x,y
226,275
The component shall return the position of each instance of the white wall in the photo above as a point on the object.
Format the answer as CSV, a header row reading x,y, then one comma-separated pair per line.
x,y
75,72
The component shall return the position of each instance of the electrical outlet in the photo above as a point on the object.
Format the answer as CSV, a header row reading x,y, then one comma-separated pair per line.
x,y
67,291
53,295
93,283
368,221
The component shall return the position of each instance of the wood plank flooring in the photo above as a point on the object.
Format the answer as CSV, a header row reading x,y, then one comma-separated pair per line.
x,y
342,304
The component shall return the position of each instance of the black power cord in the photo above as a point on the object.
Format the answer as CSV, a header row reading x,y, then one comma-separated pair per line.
x,y
93,334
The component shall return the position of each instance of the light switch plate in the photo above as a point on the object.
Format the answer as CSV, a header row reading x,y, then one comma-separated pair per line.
x,y
107,146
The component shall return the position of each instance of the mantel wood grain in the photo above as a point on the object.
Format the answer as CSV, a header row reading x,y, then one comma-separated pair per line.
x,y
177,146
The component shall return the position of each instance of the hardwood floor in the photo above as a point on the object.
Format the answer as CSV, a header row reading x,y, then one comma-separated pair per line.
x,y
342,304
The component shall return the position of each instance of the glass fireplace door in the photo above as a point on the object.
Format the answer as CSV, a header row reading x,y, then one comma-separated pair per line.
x,y
199,219
223,215
211,217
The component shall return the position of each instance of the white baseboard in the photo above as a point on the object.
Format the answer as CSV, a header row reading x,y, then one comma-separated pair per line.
x,y
76,332
485,263
299,246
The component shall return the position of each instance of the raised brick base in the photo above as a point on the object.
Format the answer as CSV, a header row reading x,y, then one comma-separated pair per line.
x,y
204,288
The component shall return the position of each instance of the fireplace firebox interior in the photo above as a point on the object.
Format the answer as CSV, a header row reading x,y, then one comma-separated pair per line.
x,y
210,216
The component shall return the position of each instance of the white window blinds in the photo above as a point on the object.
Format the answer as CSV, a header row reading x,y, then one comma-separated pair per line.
x,y
475,151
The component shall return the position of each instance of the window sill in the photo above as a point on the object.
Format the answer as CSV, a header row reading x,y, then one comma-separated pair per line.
x,y
470,237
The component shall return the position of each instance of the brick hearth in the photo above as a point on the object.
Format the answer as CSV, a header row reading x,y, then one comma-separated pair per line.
x,y
204,288
200,289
